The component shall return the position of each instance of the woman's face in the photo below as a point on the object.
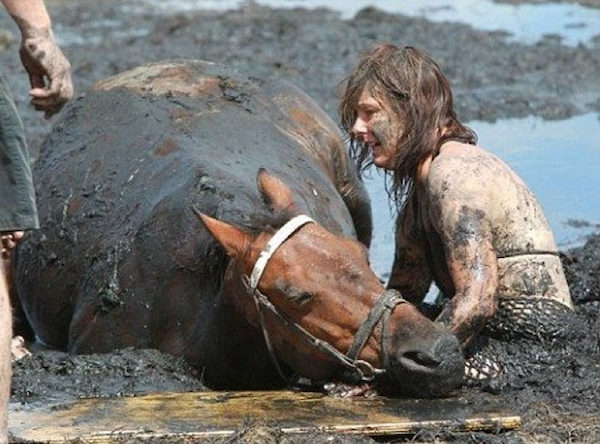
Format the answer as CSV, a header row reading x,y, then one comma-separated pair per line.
x,y
378,127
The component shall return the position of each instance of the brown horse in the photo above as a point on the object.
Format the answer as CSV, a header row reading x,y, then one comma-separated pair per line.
x,y
122,261
320,305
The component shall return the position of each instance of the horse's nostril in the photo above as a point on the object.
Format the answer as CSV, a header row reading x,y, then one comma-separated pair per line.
x,y
421,359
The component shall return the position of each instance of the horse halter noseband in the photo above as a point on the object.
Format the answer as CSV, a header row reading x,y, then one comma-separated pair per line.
x,y
362,370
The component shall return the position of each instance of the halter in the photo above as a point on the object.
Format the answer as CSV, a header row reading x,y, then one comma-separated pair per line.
x,y
361,369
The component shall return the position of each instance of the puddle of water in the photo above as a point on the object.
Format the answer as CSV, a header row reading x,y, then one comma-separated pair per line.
x,y
558,160
526,22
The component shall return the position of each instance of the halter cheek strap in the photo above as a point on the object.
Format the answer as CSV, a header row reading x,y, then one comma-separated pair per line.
x,y
261,300
280,237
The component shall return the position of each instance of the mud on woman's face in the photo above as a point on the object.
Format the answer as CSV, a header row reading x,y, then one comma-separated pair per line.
x,y
378,127
386,133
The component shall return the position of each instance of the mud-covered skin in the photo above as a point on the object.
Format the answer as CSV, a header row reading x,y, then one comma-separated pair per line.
x,y
48,70
475,229
313,129
119,239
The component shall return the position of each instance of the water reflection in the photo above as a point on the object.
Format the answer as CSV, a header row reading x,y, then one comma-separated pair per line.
x,y
559,161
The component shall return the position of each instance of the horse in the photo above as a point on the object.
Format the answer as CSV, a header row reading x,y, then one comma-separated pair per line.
x,y
188,208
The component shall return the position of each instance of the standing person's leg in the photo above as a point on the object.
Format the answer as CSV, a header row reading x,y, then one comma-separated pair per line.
x,y
17,212
5,361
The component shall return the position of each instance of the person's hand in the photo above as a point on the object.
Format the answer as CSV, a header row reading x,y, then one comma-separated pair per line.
x,y
8,241
49,72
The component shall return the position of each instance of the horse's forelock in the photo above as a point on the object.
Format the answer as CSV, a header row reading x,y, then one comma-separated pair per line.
x,y
269,220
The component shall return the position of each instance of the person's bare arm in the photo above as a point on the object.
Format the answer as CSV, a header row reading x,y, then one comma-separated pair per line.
x,y
410,272
459,211
49,71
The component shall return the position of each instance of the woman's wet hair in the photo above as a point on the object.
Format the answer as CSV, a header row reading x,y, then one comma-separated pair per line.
x,y
413,85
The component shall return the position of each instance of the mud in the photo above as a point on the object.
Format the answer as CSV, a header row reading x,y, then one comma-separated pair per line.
x,y
557,394
53,376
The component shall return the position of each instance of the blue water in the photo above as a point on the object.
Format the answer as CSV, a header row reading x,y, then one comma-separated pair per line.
x,y
559,161
525,23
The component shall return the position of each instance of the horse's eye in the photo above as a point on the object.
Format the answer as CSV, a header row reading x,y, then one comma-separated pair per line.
x,y
294,294
305,297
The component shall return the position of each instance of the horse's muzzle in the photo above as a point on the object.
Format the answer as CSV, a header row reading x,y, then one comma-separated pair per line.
x,y
429,369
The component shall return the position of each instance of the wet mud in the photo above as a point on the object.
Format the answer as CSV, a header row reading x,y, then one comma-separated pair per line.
x,y
54,376
557,392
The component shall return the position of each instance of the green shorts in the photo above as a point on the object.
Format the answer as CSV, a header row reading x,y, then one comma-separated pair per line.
x,y
17,195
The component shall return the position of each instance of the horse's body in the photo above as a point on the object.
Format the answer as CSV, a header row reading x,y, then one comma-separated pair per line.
x,y
121,259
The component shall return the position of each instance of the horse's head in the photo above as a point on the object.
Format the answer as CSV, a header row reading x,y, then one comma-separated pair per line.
x,y
315,289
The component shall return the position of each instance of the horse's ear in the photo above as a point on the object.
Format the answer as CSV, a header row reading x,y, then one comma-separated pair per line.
x,y
274,191
234,241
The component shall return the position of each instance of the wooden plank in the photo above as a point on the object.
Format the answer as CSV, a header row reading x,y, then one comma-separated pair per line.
x,y
189,416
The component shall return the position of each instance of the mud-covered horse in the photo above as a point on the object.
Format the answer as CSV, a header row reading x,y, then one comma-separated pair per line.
x,y
122,260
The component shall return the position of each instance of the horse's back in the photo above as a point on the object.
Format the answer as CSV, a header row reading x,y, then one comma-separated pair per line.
x,y
120,251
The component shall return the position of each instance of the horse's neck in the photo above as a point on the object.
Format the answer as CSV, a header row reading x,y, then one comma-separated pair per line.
x,y
235,294
227,345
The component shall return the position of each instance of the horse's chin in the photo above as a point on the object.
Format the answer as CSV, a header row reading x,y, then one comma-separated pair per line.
x,y
431,373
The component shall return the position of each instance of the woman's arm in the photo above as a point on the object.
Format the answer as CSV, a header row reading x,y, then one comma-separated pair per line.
x,y
410,272
460,213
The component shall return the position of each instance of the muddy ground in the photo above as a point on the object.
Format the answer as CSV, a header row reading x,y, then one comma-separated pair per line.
x,y
557,394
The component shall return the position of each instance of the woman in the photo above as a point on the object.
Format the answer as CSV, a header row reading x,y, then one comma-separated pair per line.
x,y
466,221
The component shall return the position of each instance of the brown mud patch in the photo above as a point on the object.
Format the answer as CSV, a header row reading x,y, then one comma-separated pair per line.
x,y
53,376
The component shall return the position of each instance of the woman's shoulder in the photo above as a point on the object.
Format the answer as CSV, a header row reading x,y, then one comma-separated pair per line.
x,y
461,158
465,167
454,149
452,159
